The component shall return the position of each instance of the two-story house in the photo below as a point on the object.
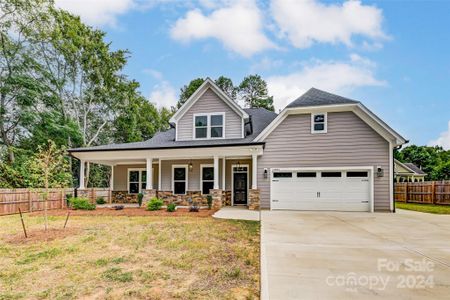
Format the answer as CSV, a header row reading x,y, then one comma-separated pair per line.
x,y
322,152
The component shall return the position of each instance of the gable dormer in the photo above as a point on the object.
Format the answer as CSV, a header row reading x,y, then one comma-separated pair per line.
x,y
209,114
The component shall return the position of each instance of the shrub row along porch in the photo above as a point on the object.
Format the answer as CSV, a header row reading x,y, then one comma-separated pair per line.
x,y
230,179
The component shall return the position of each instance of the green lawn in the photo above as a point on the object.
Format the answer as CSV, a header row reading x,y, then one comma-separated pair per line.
x,y
426,208
104,257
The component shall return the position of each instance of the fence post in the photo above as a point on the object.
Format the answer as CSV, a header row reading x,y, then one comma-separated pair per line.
x,y
433,192
93,195
63,194
406,192
30,201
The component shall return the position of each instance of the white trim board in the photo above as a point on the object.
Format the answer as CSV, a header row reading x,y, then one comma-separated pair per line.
x,y
140,182
201,176
232,181
186,167
208,125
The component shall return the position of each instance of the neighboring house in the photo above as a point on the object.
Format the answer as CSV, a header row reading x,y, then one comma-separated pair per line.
x,y
322,152
408,172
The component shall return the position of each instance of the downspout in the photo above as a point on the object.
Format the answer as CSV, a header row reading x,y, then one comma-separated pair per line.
x,y
393,176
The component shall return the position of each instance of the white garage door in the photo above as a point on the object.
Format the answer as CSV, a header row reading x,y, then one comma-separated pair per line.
x,y
341,190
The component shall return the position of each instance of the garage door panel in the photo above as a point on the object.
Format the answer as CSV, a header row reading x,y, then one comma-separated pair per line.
x,y
321,193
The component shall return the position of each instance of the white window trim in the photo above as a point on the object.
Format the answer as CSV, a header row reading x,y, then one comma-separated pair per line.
x,y
208,126
232,181
140,179
325,129
201,176
173,181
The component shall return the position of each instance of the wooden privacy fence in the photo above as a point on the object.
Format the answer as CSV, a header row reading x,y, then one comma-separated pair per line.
x,y
428,192
29,200
93,193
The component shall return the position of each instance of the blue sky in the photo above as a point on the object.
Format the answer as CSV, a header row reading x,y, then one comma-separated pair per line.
x,y
394,56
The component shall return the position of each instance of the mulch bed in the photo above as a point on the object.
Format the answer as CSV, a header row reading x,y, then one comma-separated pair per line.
x,y
40,235
127,212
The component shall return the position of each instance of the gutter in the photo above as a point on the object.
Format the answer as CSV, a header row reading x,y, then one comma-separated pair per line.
x,y
167,147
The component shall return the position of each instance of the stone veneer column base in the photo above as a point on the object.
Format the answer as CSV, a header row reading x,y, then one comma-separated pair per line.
x,y
148,194
217,196
254,199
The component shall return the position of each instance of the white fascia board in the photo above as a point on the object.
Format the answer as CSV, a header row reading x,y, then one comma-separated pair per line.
x,y
177,153
199,92
399,140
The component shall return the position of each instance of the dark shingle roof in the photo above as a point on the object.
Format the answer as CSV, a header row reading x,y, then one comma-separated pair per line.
x,y
261,118
415,168
315,97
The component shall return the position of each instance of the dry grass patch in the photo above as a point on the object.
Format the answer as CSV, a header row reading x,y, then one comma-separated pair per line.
x,y
134,257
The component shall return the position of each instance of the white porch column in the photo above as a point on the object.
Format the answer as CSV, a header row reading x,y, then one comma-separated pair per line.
x,y
224,165
149,181
216,172
254,171
159,174
111,179
82,173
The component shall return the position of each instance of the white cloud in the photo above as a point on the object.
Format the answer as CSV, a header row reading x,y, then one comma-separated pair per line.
x,y
164,94
331,76
307,22
443,140
97,12
237,26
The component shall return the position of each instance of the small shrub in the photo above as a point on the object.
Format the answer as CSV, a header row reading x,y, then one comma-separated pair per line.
x,y
209,199
100,200
171,207
194,207
140,197
154,204
81,203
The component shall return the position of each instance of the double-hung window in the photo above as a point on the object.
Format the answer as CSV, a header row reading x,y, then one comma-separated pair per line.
x,y
179,179
209,126
136,180
319,123
207,178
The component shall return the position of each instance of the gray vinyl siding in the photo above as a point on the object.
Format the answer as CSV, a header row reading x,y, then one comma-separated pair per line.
x,y
193,176
209,102
121,176
348,142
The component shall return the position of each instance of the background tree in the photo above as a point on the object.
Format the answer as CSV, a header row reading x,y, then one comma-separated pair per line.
x,y
432,160
187,90
60,80
226,85
21,90
253,90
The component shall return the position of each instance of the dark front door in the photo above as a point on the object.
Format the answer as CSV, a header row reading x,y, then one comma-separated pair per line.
x,y
240,188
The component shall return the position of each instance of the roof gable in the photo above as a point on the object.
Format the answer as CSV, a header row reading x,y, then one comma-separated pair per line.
x,y
316,97
315,100
208,84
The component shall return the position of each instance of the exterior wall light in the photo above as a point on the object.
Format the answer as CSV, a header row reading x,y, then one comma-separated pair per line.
x,y
265,173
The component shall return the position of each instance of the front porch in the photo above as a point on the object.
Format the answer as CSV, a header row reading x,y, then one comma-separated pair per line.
x,y
230,180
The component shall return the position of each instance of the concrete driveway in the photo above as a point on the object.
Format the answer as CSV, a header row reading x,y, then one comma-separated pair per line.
x,y
333,255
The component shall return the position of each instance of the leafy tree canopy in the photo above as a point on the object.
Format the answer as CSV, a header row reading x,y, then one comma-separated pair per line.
x,y
433,160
